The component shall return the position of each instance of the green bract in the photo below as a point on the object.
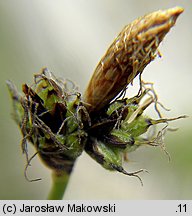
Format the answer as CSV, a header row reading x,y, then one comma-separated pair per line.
x,y
52,116
49,115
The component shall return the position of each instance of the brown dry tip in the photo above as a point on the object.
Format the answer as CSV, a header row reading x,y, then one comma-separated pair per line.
x,y
171,14
132,50
176,11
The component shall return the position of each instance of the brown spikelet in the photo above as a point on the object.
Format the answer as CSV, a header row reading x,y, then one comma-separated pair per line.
x,y
133,49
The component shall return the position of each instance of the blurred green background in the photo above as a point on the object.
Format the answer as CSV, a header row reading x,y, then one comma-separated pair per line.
x,y
70,37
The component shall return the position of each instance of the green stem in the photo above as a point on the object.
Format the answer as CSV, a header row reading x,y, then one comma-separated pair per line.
x,y
59,185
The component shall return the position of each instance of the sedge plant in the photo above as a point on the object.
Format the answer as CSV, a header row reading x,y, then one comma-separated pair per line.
x,y
61,123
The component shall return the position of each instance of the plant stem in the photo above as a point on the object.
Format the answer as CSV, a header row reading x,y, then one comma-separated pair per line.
x,y
59,185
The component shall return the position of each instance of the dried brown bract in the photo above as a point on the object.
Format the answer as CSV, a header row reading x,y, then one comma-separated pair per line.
x,y
133,49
